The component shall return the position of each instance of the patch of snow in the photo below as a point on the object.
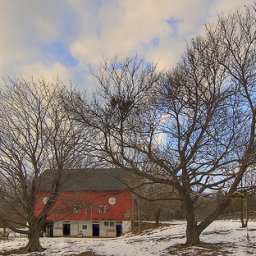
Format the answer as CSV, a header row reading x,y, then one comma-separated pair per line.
x,y
232,240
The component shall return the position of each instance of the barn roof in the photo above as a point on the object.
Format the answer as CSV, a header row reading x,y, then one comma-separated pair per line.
x,y
88,179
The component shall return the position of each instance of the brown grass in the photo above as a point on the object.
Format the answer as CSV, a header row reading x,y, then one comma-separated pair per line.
x,y
203,249
146,226
15,251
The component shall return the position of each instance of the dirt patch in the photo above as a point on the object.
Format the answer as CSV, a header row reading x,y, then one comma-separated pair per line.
x,y
15,251
147,226
217,232
22,251
203,249
88,253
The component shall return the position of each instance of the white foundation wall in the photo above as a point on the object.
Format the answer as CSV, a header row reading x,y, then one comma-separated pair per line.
x,y
88,231
107,231
74,228
126,226
85,228
58,228
77,228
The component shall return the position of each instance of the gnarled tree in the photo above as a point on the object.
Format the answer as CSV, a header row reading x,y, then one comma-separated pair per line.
x,y
35,135
192,128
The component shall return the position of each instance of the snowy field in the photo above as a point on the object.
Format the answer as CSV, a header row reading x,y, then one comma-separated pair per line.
x,y
221,238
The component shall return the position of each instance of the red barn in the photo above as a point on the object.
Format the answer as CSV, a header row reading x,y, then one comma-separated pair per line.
x,y
92,202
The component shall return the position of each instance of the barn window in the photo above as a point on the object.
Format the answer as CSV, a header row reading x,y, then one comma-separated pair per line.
x,y
102,208
111,224
84,226
77,208
105,223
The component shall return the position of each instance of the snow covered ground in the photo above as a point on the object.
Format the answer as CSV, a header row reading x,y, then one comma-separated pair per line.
x,y
221,238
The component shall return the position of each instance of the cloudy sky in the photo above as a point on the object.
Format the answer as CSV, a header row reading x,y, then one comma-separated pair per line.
x,y
50,38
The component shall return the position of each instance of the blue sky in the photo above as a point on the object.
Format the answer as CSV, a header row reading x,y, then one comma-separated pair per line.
x,y
45,38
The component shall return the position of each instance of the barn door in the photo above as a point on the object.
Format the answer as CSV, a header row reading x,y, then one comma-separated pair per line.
x,y
66,229
95,229
118,230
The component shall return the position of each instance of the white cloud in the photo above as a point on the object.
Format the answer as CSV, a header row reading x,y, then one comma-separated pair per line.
x,y
47,72
126,27
93,29
26,28
229,5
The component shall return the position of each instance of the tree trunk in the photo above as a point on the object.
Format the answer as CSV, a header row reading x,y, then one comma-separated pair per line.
x,y
244,212
192,231
221,207
157,214
139,217
34,236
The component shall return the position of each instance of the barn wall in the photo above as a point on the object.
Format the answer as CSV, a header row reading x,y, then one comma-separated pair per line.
x,y
126,226
107,228
89,201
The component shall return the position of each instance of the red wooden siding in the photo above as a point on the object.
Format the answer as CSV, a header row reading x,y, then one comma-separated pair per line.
x,y
84,205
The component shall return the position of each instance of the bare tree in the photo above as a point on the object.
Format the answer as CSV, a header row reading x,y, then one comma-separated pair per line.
x,y
192,128
155,202
235,36
247,190
167,128
35,135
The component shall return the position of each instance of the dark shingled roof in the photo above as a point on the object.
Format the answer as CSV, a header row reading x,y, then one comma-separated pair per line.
x,y
88,179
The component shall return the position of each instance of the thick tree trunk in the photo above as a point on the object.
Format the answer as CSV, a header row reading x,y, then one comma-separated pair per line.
x,y
222,206
192,231
34,236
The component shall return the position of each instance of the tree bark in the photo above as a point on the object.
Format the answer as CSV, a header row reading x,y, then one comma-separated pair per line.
x,y
222,206
192,231
244,212
157,214
34,236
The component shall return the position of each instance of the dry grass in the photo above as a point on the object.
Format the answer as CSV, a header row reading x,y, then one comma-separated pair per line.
x,y
145,226
203,249
88,253
15,251
22,251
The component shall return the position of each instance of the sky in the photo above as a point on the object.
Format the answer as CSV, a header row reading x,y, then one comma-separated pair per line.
x,y
61,38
